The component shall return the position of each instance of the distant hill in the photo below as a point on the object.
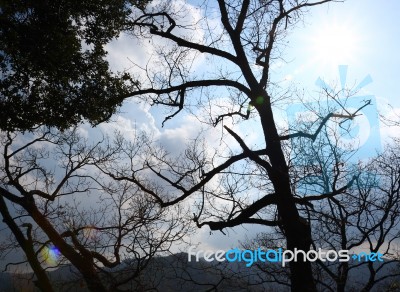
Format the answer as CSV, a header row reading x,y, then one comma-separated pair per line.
x,y
176,273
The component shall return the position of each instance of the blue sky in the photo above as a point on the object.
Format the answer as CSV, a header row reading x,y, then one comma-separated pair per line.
x,y
367,40
364,35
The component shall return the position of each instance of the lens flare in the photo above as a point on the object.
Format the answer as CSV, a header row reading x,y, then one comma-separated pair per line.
x,y
51,255
90,233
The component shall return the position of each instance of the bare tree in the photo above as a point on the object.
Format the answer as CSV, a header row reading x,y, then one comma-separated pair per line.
x,y
53,197
239,40
362,218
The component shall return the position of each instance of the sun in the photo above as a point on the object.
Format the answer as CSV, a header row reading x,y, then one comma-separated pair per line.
x,y
335,43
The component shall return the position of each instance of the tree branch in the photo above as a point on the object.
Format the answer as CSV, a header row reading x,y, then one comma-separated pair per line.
x,y
245,215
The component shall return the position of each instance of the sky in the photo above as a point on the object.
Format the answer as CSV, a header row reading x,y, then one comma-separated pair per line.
x,y
362,36
359,36
367,41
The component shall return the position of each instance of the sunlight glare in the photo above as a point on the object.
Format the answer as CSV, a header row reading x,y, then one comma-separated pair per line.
x,y
335,43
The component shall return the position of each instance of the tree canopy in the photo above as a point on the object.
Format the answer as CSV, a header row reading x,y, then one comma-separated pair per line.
x,y
53,69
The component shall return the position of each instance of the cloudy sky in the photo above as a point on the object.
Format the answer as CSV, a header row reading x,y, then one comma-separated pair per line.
x,y
361,36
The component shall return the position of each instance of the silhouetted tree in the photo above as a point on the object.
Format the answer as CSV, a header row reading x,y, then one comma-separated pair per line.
x,y
60,207
239,41
53,69
364,217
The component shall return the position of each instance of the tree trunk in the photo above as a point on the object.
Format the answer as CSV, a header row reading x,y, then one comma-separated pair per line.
x,y
297,232
343,273
42,282
84,264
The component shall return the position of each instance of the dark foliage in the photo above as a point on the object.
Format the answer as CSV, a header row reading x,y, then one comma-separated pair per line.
x,y
53,69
